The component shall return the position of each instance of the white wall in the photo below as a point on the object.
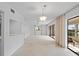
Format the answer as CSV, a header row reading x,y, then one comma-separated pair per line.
x,y
43,30
27,28
12,42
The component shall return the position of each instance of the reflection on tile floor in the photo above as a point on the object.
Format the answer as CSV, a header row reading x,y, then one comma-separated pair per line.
x,y
42,46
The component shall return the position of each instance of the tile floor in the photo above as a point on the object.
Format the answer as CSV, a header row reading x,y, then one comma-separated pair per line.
x,y
42,46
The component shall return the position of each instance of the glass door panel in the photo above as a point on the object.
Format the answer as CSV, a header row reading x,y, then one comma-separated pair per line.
x,y
73,34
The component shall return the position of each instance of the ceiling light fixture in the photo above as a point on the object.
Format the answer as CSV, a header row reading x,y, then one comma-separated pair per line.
x,y
43,17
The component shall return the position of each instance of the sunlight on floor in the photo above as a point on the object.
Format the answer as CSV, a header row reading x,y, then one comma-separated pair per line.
x,y
76,49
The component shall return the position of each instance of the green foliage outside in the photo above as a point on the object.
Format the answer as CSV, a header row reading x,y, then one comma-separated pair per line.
x,y
71,32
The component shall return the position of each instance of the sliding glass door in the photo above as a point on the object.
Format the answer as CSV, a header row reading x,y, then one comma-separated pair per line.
x,y
73,34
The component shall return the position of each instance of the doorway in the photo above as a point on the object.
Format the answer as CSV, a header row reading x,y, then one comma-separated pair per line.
x,y
52,31
73,34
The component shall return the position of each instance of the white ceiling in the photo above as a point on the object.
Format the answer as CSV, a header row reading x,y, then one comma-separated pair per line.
x,y
32,10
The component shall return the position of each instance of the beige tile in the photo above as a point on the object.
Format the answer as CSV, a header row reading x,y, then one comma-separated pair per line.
x,y
42,46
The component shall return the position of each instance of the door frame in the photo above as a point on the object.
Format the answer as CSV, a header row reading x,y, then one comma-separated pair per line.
x,y
67,34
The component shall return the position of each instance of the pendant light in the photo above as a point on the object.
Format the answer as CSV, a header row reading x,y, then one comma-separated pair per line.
x,y
43,17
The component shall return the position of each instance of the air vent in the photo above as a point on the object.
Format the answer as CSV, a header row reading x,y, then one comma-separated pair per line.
x,y
12,10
